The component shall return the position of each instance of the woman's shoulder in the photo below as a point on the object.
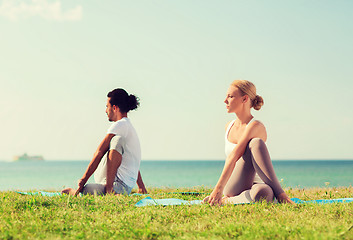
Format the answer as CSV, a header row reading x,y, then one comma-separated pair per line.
x,y
257,129
227,125
255,123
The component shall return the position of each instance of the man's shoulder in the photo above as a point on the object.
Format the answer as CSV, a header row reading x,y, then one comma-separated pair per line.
x,y
118,127
121,122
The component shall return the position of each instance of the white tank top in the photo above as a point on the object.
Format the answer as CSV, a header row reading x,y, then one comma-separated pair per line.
x,y
229,146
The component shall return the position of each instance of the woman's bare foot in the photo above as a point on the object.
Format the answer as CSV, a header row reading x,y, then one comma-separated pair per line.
x,y
224,200
283,198
69,191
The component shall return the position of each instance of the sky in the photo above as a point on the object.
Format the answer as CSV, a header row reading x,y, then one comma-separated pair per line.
x,y
60,58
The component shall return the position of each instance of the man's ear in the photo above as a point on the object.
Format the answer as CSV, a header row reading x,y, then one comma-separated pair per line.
x,y
116,108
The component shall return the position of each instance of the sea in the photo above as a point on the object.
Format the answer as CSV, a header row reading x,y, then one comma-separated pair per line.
x,y
56,175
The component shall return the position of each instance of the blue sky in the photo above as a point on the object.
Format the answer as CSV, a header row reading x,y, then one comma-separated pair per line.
x,y
59,58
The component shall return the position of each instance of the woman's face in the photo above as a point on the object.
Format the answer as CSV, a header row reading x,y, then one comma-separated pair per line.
x,y
233,100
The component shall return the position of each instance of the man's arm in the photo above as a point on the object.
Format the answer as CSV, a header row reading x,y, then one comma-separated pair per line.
x,y
92,166
113,163
140,184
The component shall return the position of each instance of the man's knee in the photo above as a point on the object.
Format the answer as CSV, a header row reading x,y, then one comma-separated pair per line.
x,y
117,144
93,189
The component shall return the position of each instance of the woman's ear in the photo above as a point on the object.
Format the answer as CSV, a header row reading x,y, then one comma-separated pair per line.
x,y
245,98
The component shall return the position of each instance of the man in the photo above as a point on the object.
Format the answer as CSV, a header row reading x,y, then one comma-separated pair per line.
x,y
119,170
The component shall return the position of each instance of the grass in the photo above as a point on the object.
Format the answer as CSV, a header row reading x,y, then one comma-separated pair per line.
x,y
96,217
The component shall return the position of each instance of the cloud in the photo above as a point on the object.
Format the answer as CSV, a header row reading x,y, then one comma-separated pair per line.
x,y
16,10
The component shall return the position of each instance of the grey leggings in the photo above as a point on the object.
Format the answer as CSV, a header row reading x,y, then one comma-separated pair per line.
x,y
119,187
241,187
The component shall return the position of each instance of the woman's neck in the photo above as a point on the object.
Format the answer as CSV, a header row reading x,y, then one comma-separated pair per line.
x,y
244,117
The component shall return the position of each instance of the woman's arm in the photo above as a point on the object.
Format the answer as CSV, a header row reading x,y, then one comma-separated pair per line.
x,y
92,166
254,130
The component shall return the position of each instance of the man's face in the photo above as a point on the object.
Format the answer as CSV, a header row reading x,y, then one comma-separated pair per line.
x,y
111,111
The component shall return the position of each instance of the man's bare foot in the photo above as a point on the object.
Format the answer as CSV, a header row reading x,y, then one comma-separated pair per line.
x,y
283,198
69,191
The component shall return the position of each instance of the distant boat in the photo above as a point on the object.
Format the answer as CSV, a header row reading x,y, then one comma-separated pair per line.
x,y
26,157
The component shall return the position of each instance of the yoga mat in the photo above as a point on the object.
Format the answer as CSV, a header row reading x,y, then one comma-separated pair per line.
x,y
51,194
42,193
148,201
323,201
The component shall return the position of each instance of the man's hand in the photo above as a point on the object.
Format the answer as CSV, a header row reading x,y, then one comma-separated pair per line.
x,y
142,190
108,189
141,186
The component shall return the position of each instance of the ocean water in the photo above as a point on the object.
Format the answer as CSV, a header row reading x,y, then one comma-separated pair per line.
x,y
55,175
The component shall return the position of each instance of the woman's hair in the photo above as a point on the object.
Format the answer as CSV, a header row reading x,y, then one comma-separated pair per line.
x,y
125,102
248,88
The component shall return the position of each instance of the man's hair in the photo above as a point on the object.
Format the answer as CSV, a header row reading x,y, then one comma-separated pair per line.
x,y
125,102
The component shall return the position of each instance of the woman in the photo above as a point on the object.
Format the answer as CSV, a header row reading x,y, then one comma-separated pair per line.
x,y
119,171
248,174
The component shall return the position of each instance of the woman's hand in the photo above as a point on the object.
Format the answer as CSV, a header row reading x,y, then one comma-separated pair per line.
x,y
81,184
205,200
215,197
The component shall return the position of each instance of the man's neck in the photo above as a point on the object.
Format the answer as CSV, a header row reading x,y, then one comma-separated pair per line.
x,y
121,116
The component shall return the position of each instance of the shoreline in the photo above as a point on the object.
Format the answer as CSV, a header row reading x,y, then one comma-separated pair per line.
x,y
195,188
62,174
204,189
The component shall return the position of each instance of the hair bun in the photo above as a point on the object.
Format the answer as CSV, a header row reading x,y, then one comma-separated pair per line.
x,y
257,102
133,102
123,100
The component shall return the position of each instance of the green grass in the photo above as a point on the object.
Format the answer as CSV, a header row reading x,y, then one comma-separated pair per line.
x,y
96,217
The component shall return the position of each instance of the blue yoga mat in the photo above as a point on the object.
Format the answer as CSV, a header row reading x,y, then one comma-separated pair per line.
x,y
148,201
51,194
42,193
323,201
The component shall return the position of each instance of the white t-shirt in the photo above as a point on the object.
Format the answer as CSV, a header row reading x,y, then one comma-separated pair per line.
x,y
131,157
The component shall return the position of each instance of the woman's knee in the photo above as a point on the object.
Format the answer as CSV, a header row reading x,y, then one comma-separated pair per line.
x,y
260,192
256,143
